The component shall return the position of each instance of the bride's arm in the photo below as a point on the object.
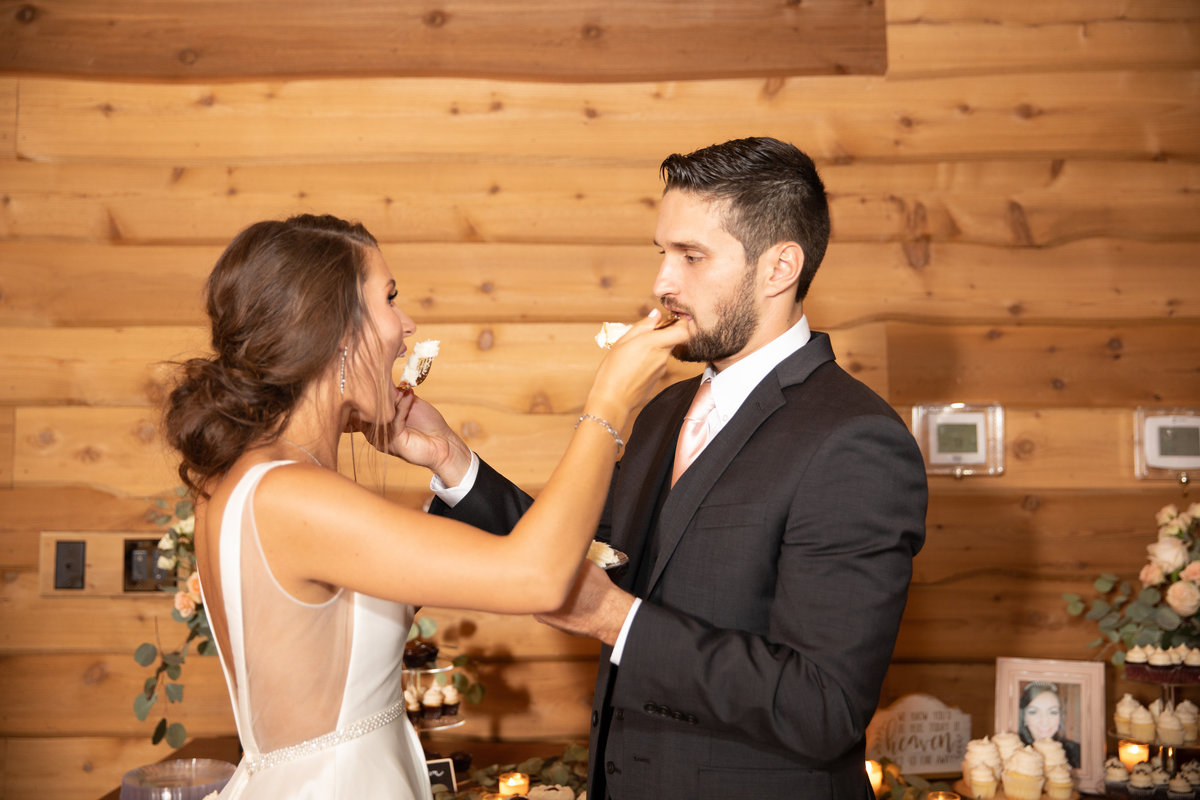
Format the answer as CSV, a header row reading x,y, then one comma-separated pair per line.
x,y
319,527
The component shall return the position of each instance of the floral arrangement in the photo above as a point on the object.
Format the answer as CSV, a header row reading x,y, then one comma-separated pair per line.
x,y
1164,611
176,554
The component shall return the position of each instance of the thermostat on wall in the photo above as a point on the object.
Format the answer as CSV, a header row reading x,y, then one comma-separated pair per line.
x,y
960,439
1166,442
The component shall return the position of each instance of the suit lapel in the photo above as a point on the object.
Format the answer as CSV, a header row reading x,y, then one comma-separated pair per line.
x,y
696,483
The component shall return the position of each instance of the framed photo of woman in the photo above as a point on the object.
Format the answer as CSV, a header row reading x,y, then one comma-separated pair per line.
x,y
1062,700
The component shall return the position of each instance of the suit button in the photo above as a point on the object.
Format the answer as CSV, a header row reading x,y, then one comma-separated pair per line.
x,y
678,716
620,714
610,768
692,720
650,708
595,719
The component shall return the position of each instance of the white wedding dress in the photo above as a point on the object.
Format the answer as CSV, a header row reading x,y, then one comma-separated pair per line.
x,y
316,689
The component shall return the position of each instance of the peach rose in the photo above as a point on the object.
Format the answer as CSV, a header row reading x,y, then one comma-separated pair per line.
x,y
1151,575
1191,572
184,604
1168,554
1184,598
1166,514
193,585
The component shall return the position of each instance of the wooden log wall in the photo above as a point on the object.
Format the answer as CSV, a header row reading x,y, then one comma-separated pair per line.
x,y
1015,220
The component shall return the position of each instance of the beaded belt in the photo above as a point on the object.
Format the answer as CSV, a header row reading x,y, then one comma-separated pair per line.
x,y
325,741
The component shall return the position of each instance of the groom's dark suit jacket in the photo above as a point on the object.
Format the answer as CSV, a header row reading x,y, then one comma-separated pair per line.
x,y
774,575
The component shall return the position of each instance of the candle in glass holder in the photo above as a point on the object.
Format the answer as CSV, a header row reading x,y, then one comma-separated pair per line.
x,y
875,773
513,783
1132,753
943,796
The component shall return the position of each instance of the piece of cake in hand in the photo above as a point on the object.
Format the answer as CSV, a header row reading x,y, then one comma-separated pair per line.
x,y
610,332
419,364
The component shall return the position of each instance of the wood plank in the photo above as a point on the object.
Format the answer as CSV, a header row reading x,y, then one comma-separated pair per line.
x,y
1136,364
552,41
1132,114
1097,278
532,368
70,768
1009,203
103,448
7,432
938,38
8,118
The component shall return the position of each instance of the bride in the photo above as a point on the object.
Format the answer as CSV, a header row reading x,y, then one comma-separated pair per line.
x,y
310,580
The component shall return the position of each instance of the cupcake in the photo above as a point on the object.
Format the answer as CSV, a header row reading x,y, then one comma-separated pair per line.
x,y
1161,779
431,702
1180,789
1188,716
1141,785
412,703
1023,776
982,781
1116,779
982,752
1059,785
1052,752
1169,728
1141,725
1007,743
1125,709
450,700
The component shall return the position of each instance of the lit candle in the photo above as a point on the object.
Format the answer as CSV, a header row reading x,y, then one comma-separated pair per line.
x,y
943,796
1132,753
513,783
875,773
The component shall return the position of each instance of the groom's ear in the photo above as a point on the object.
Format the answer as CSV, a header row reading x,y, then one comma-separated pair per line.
x,y
784,262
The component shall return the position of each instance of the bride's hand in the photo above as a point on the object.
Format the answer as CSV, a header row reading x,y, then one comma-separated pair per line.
x,y
420,435
633,367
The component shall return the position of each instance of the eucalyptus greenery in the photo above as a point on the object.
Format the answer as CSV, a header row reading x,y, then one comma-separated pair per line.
x,y
177,555
1161,617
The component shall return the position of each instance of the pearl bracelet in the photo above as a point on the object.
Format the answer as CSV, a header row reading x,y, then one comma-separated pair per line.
x,y
612,431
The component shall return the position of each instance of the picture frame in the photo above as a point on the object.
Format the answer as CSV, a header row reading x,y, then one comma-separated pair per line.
x,y
1079,689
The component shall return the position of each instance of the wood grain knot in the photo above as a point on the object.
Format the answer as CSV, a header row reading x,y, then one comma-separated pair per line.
x,y
487,287
1023,448
540,404
436,19
27,14
188,56
1031,503
46,437
486,339
96,673
1115,344
592,31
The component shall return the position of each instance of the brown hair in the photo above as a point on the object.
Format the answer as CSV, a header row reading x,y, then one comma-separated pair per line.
x,y
772,193
284,299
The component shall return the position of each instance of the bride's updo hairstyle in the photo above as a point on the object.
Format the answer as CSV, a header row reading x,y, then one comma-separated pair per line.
x,y
284,299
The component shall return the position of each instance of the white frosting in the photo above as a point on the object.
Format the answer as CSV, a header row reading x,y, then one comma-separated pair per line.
x,y
1160,658
610,332
1127,704
1142,716
1025,761
1136,655
432,696
1058,774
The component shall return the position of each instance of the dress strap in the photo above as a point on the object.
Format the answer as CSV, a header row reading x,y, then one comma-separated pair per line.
x,y
325,741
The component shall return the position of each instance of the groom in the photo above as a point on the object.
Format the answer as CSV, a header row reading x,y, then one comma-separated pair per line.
x,y
770,534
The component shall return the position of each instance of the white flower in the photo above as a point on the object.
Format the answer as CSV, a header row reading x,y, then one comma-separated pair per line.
x,y
1166,514
1193,510
187,525
1168,554
1174,527
167,542
1184,598
166,562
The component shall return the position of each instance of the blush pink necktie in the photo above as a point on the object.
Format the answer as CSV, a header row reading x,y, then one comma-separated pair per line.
x,y
694,433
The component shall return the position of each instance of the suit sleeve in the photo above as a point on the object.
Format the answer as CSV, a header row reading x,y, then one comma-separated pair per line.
x,y
809,686
494,503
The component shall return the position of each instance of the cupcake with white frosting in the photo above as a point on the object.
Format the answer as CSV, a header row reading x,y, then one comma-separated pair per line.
x,y
1023,775
1169,728
1059,785
1124,711
1141,725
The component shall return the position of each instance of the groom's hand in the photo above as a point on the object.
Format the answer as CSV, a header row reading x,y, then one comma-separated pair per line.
x,y
595,607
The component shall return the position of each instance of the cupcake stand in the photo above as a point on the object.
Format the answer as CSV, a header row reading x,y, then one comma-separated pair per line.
x,y
1130,749
432,719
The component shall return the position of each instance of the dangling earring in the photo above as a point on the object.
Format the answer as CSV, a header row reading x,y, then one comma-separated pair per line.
x,y
343,381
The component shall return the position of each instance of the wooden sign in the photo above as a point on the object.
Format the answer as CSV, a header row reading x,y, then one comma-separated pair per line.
x,y
921,734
